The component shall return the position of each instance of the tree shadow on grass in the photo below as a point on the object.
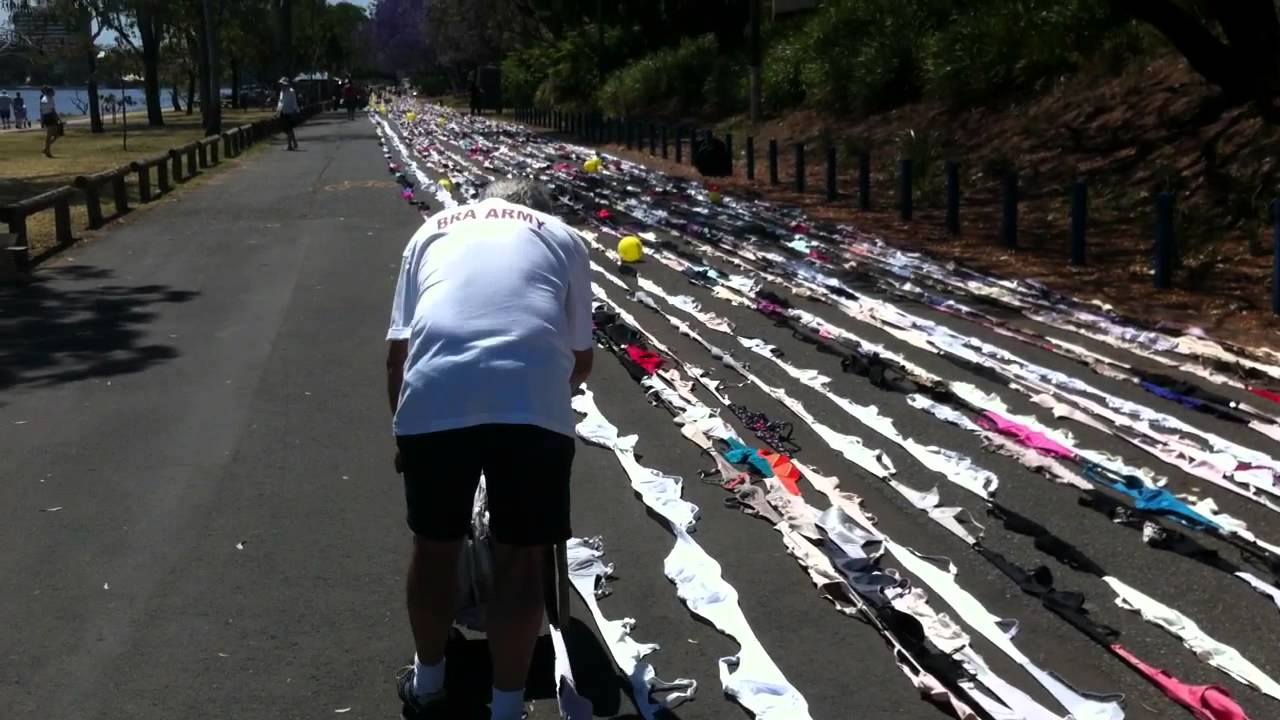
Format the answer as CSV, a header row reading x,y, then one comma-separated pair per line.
x,y
72,323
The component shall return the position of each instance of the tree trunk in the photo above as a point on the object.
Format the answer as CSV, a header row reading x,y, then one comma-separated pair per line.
x,y
200,45
284,37
149,34
1246,68
95,107
91,66
235,82
213,119
191,91
173,98
754,53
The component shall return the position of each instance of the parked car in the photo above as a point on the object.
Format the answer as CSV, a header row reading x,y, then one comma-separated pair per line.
x,y
250,96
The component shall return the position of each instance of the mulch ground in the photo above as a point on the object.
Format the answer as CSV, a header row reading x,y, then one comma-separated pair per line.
x,y
1149,139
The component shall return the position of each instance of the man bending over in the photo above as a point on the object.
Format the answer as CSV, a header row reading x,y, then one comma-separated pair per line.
x,y
490,333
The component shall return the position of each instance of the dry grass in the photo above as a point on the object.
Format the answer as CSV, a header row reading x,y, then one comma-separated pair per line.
x,y
25,171
1130,136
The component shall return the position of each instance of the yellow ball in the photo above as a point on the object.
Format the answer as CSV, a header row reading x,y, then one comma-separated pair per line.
x,y
714,197
593,165
411,116
630,249
446,183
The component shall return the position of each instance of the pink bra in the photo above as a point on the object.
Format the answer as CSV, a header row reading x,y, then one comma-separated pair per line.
x,y
1025,435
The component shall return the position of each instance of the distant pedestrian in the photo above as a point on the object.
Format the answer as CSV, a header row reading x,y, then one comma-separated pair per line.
x,y
349,97
287,110
20,112
49,120
6,109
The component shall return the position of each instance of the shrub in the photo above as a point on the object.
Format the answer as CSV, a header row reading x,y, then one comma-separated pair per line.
x,y
863,55
783,65
996,47
523,71
563,73
673,79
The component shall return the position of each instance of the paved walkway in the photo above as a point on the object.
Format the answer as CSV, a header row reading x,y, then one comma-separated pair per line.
x,y
201,517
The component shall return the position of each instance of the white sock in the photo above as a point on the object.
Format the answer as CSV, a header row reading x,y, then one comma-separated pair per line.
x,y
427,679
507,704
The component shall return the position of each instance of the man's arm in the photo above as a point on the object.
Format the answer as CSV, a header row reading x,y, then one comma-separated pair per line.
x,y
397,353
578,308
582,362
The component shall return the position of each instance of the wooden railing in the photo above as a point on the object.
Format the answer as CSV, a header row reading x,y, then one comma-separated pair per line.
x,y
91,186
174,166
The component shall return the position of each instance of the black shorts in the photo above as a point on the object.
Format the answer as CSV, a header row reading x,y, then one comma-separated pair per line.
x,y
290,120
526,470
49,120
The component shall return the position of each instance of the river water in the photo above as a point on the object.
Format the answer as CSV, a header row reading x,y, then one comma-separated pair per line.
x,y
70,100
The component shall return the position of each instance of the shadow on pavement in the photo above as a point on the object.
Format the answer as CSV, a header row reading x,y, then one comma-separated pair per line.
x,y
51,335
470,678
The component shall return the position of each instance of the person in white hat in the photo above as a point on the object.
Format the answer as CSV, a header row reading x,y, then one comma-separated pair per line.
x,y
287,110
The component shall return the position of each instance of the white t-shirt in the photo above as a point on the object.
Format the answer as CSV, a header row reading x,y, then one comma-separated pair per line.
x,y
493,298
288,104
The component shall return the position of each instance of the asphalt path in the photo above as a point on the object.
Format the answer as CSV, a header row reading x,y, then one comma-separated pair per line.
x,y
200,392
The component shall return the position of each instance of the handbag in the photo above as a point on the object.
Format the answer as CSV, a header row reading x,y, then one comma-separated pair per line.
x,y
475,567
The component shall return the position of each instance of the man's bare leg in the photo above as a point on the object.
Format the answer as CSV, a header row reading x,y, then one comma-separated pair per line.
x,y
515,616
432,593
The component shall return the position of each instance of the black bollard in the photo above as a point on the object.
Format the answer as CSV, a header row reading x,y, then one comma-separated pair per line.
x,y
653,139
864,180
1164,240
800,171
953,197
693,143
629,130
664,142
728,145
1079,221
831,173
1009,210
773,162
679,145
906,203
751,158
